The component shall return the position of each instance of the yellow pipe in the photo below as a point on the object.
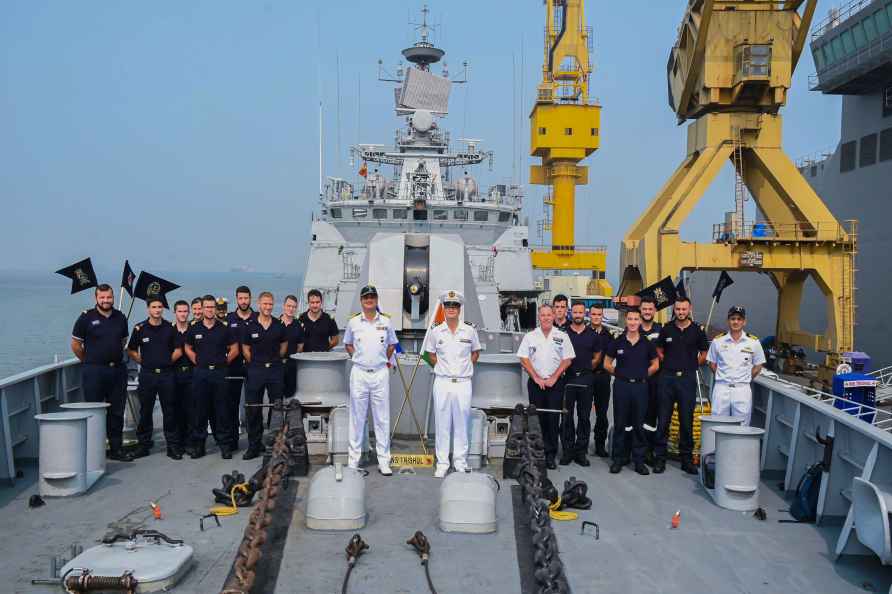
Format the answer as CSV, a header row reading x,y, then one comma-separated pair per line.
x,y
563,179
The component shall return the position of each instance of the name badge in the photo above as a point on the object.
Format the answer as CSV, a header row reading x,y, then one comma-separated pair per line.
x,y
465,340
255,335
233,325
380,327
95,322
620,351
199,336
669,339
558,340
146,339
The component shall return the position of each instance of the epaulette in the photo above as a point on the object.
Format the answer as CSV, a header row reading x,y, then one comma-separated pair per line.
x,y
719,335
193,322
470,324
702,327
138,327
83,313
384,314
356,314
753,336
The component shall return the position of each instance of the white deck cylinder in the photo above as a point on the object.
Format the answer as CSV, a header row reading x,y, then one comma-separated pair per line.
x,y
322,379
63,453
95,436
737,456
336,499
710,422
497,382
468,503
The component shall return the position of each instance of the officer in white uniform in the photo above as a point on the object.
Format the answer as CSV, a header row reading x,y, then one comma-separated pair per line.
x,y
545,354
453,347
370,340
735,358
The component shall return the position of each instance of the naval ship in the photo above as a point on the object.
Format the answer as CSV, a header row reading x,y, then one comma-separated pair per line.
x,y
414,231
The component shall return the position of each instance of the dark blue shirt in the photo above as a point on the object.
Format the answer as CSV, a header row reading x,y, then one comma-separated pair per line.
x,y
653,333
237,327
681,347
631,361
265,343
103,337
295,335
210,344
585,345
318,333
154,343
183,364
604,339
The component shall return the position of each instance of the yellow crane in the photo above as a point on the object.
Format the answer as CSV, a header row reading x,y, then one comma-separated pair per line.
x,y
564,130
729,72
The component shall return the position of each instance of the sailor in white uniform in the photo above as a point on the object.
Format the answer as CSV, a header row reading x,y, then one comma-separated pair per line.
x,y
735,358
370,340
453,347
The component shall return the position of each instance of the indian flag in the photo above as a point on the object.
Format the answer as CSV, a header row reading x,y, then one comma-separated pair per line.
x,y
438,317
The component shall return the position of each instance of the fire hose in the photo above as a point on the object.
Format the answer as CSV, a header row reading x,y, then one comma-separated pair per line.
x,y
355,548
423,547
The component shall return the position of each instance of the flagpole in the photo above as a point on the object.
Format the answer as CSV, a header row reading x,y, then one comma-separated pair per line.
x,y
709,317
120,297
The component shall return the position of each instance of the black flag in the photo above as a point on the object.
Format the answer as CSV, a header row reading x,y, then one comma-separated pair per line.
x,y
81,275
149,285
680,291
127,278
663,293
723,283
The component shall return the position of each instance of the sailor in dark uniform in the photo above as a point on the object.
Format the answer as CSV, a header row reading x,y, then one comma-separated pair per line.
x,y
264,343
601,380
154,344
631,358
237,321
211,347
98,342
650,329
295,334
182,380
579,389
682,346
320,330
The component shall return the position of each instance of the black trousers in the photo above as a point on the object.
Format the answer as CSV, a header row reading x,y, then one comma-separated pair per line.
x,y
102,383
629,407
260,379
234,398
290,378
681,390
209,386
578,396
160,385
652,415
183,405
548,398
601,388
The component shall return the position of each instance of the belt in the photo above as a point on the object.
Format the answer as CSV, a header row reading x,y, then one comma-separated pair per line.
x,y
677,373
577,373
155,369
212,367
184,368
735,385
367,369
454,380
109,364
632,380
265,365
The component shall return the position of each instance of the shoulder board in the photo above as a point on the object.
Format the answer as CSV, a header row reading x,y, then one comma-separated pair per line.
x,y
83,313
384,314
470,324
138,327
354,315
702,327
720,335
193,322
753,336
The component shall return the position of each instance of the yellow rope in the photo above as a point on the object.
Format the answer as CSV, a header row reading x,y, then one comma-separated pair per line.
x,y
556,514
224,510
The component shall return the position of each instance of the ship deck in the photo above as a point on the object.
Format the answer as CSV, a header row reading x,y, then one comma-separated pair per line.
x,y
713,550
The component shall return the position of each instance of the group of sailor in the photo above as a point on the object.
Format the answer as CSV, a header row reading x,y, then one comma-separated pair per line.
x,y
574,363
654,369
196,367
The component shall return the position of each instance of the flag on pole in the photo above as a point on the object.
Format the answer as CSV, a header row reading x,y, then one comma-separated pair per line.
x,y
438,317
149,285
81,274
127,278
663,293
680,290
723,283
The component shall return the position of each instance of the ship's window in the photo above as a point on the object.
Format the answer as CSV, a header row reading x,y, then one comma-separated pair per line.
x,y
813,170
504,217
858,34
882,21
335,213
568,131
542,131
460,214
848,152
441,215
819,59
829,58
887,101
889,12
848,44
360,213
838,52
870,28
481,216
379,213
399,213
868,150
419,214
886,145
595,132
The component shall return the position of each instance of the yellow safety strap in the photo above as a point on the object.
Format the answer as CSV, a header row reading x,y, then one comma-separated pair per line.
x,y
224,510
556,514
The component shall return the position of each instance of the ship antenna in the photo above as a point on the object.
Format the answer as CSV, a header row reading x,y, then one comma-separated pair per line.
x,y
319,91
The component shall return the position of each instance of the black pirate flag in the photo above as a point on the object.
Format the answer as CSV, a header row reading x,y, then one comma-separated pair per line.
x,y
81,275
127,278
663,293
723,283
149,285
680,291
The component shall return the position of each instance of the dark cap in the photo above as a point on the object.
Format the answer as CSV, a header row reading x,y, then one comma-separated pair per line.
x,y
737,310
368,290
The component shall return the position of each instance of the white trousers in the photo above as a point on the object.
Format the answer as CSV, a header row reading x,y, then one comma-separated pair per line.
x,y
735,400
452,408
368,386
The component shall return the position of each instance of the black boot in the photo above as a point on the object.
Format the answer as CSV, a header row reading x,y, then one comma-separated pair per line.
x,y
198,452
566,459
252,452
641,469
616,467
601,451
141,451
174,454
582,459
688,467
659,466
119,455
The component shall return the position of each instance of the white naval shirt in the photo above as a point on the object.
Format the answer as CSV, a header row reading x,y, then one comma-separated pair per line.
x,y
453,350
735,360
370,339
546,353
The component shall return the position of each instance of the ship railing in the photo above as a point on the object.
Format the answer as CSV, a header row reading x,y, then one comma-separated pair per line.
x,y
863,56
835,16
884,383
819,231
39,390
597,249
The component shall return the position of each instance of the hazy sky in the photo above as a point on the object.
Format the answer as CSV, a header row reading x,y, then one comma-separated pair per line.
x,y
184,135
